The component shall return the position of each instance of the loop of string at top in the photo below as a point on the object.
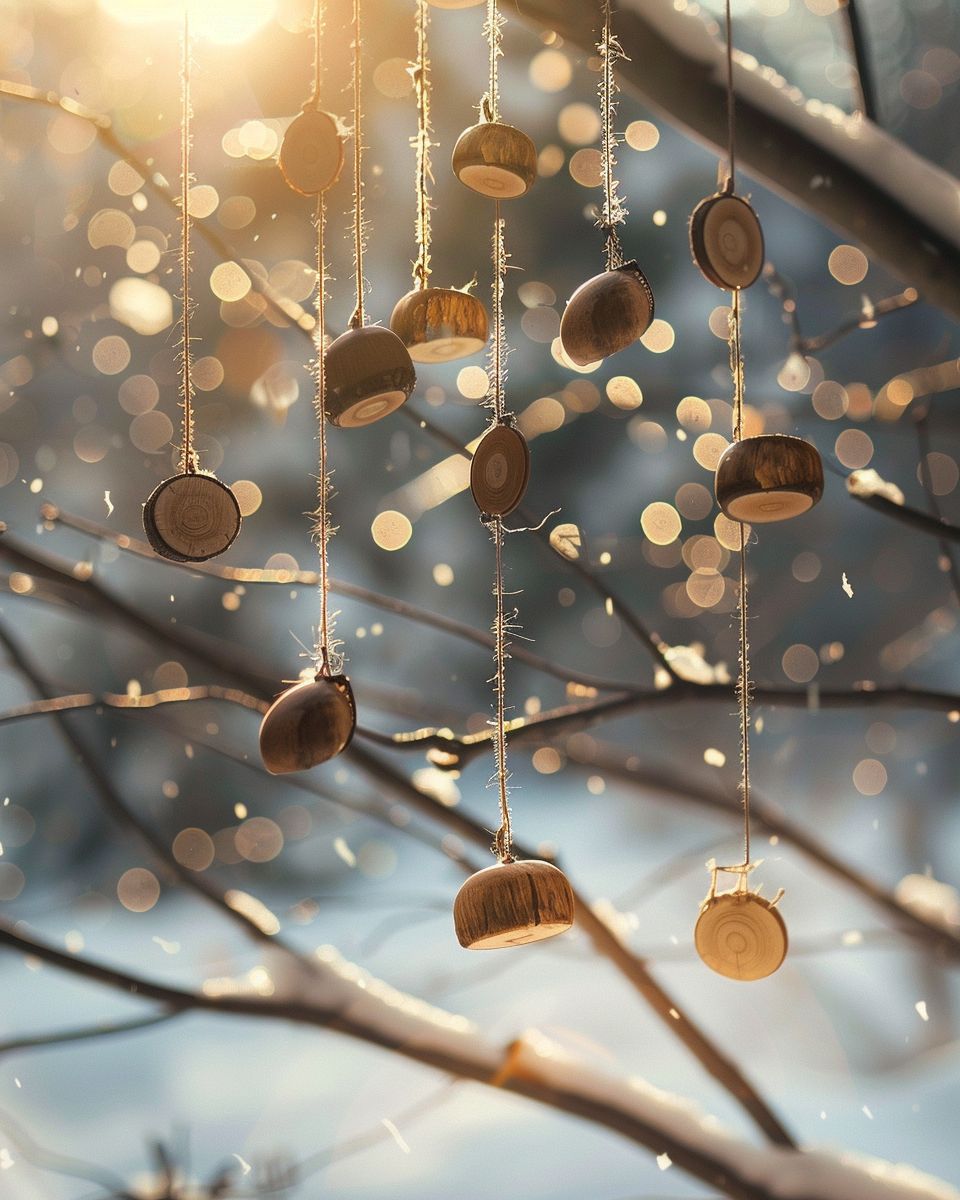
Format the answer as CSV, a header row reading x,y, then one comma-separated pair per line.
x,y
188,463
493,32
423,143
743,680
358,319
614,211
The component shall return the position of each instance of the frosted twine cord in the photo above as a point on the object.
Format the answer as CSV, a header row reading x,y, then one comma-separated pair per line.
x,y
743,681
493,31
358,318
613,213
318,15
188,463
421,270
731,104
321,529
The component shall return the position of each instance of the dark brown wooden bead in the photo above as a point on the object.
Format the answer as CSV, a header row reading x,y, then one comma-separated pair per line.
x,y
500,470
768,478
191,517
495,160
741,935
606,314
308,724
440,324
311,153
512,903
726,241
369,374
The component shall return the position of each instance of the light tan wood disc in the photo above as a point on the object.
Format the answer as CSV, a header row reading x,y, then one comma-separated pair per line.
x,y
768,478
500,470
512,903
741,935
495,160
311,153
455,3
440,324
191,517
606,314
308,724
369,374
726,241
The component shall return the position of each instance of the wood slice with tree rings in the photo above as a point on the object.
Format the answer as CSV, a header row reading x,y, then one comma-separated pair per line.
x,y
191,517
768,478
500,470
440,324
308,724
741,935
311,153
726,241
495,160
606,314
512,903
369,374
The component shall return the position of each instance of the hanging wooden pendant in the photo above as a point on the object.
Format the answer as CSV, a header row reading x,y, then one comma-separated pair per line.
x,y
191,517
726,241
606,314
741,935
500,470
512,903
496,160
308,724
312,152
440,324
369,374
768,478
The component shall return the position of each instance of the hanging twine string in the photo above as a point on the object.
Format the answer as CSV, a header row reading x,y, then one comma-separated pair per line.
x,y
188,462
730,184
318,19
497,362
614,211
743,680
358,319
423,143
493,32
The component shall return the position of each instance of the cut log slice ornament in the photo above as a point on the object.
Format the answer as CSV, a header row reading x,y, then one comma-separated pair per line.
x,y
440,324
512,903
741,935
308,724
768,478
369,374
311,153
606,314
500,470
191,517
495,160
726,241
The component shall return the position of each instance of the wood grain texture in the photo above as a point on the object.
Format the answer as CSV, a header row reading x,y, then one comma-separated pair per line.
x,y
191,517
606,314
726,241
512,903
311,153
741,935
500,470
308,724
440,324
369,374
496,160
768,478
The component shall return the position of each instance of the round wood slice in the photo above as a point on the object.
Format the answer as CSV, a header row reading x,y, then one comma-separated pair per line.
x,y
308,724
191,517
768,478
440,324
496,160
500,470
726,241
311,153
512,903
369,374
741,935
606,314
455,3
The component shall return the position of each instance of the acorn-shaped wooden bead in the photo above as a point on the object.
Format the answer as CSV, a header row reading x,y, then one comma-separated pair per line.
x,y
191,517
768,478
311,153
512,903
440,324
741,935
308,724
726,241
500,470
369,374
495,160
606,314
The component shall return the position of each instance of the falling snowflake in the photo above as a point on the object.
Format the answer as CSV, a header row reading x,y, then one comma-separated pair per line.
x,y
847,586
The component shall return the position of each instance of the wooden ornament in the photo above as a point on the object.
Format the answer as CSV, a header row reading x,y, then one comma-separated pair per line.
x,y
311,153
455,3
440,324
369,374
726,241
308,724
191,517
606,314
500,470
768,478
512,903
495,160
741,935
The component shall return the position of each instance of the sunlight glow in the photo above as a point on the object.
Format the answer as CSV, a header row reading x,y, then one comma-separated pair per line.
x,y
226,22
